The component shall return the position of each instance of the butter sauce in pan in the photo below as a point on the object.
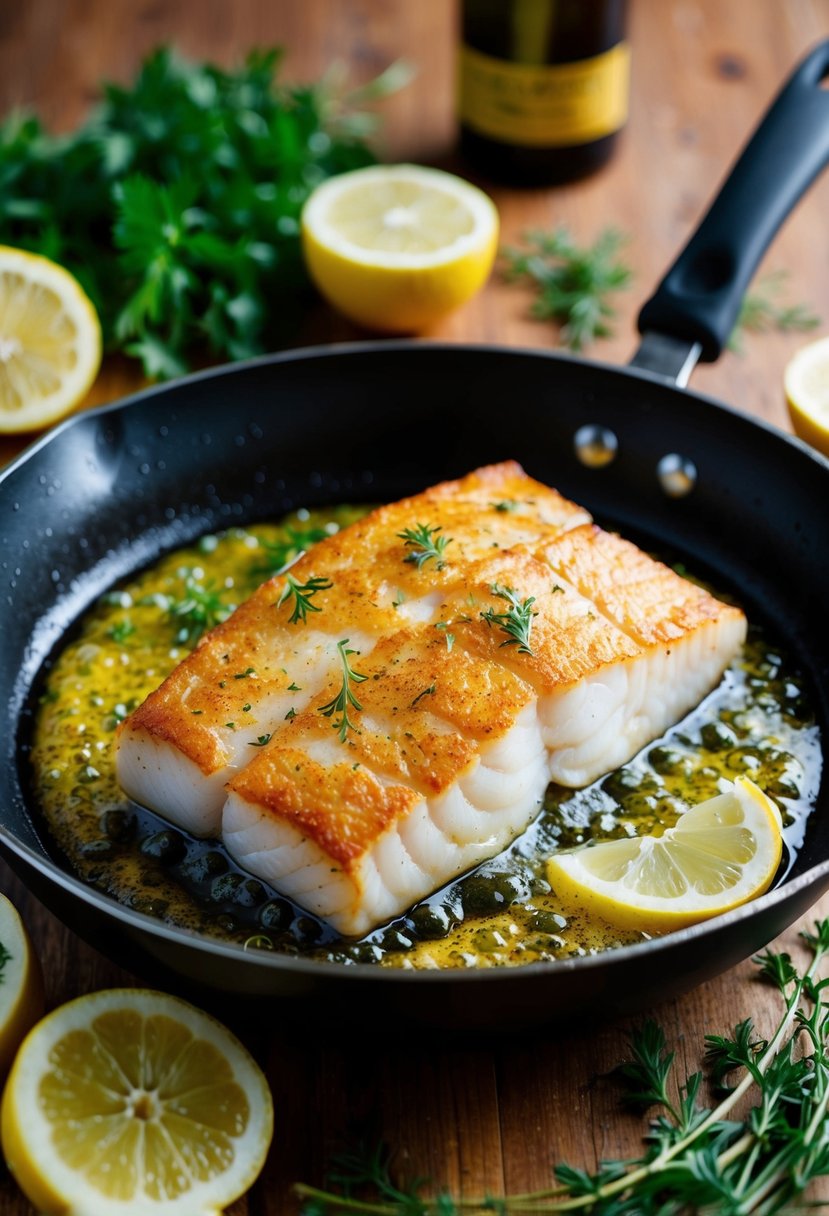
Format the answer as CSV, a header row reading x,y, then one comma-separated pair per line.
x,y
757,722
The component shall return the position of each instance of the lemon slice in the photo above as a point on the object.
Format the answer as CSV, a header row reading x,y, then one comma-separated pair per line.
x,y
721,853
21,984
806,381
133,1101
395,247
50,341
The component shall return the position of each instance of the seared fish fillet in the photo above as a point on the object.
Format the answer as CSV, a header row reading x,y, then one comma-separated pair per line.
x,y
531,647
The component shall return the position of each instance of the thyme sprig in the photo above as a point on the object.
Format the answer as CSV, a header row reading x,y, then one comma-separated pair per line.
x,y
516,622
345,697
726,1160
303,594
762,310
572,282
426,545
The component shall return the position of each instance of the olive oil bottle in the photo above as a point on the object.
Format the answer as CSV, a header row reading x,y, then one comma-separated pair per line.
x,y
543,86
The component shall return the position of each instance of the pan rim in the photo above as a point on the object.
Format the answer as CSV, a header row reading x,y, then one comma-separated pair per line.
x,y
406,345
268,961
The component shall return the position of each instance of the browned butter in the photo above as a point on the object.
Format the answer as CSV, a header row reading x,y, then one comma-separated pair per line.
x,y
758,722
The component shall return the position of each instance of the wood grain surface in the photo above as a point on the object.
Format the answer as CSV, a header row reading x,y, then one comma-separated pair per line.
x,y
475,1117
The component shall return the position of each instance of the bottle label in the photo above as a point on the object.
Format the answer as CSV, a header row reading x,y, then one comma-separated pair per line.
x,y
544,105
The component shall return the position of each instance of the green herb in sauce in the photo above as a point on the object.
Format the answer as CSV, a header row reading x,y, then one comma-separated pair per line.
x,y
758,722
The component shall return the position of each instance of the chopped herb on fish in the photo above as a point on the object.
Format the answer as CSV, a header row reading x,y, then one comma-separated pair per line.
x,y
516,622
425,544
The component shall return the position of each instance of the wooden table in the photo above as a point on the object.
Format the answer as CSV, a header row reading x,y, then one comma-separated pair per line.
x,y
479,1117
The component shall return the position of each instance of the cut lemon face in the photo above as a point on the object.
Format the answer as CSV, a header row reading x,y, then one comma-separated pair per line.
x,y
396,247
720,854
21,984
806,381
50,341
134,1101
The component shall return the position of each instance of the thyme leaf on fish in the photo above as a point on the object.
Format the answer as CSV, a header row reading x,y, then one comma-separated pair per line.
x,y
345,697
260,742
199,609
303,594
735,1158
516,622
426,545
427,692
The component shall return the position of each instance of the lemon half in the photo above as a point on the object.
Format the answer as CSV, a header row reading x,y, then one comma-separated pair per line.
x,y
135,1102
50,341
806,381
721,853
21,984
396,247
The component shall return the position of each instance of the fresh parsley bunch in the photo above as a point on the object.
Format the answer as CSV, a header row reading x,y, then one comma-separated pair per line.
x,y
177,204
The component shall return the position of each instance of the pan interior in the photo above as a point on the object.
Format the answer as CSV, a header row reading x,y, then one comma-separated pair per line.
x,y
182,463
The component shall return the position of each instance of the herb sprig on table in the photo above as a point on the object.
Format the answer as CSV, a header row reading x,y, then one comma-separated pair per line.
x,y
574,285
729,1159
573,282
762,310
177,203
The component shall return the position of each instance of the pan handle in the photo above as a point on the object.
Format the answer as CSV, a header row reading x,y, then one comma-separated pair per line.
x,y
699,299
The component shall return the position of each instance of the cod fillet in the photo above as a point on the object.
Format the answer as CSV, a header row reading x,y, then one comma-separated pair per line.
x,y
528,646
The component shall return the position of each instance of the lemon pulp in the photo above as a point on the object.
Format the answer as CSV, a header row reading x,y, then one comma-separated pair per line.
x,y
720,854
133,1100
50,341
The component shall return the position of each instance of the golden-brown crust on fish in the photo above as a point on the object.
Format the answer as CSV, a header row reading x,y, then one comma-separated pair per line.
x,y
343,808
649,601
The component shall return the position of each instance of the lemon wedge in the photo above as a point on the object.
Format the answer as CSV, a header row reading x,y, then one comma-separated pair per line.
x,y
21,984
721,853
396,247
133,1101
50,341
806,381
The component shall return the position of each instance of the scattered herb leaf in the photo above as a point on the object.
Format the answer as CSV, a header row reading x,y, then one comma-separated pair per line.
x,y
345,697
260,742
199,609
121,630
303,594
280,554
762,311
427,692
516,622
426,545
573,282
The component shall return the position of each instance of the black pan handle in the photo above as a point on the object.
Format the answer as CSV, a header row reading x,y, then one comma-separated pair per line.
x,y
700,296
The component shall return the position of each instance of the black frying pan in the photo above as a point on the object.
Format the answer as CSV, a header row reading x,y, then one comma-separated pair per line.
x,y
108,491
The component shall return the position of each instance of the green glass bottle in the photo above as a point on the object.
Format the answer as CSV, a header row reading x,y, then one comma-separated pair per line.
x,y
543,86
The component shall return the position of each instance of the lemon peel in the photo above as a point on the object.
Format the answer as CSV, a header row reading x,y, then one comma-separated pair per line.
x,y
806,383
50,341
21,984
720,854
